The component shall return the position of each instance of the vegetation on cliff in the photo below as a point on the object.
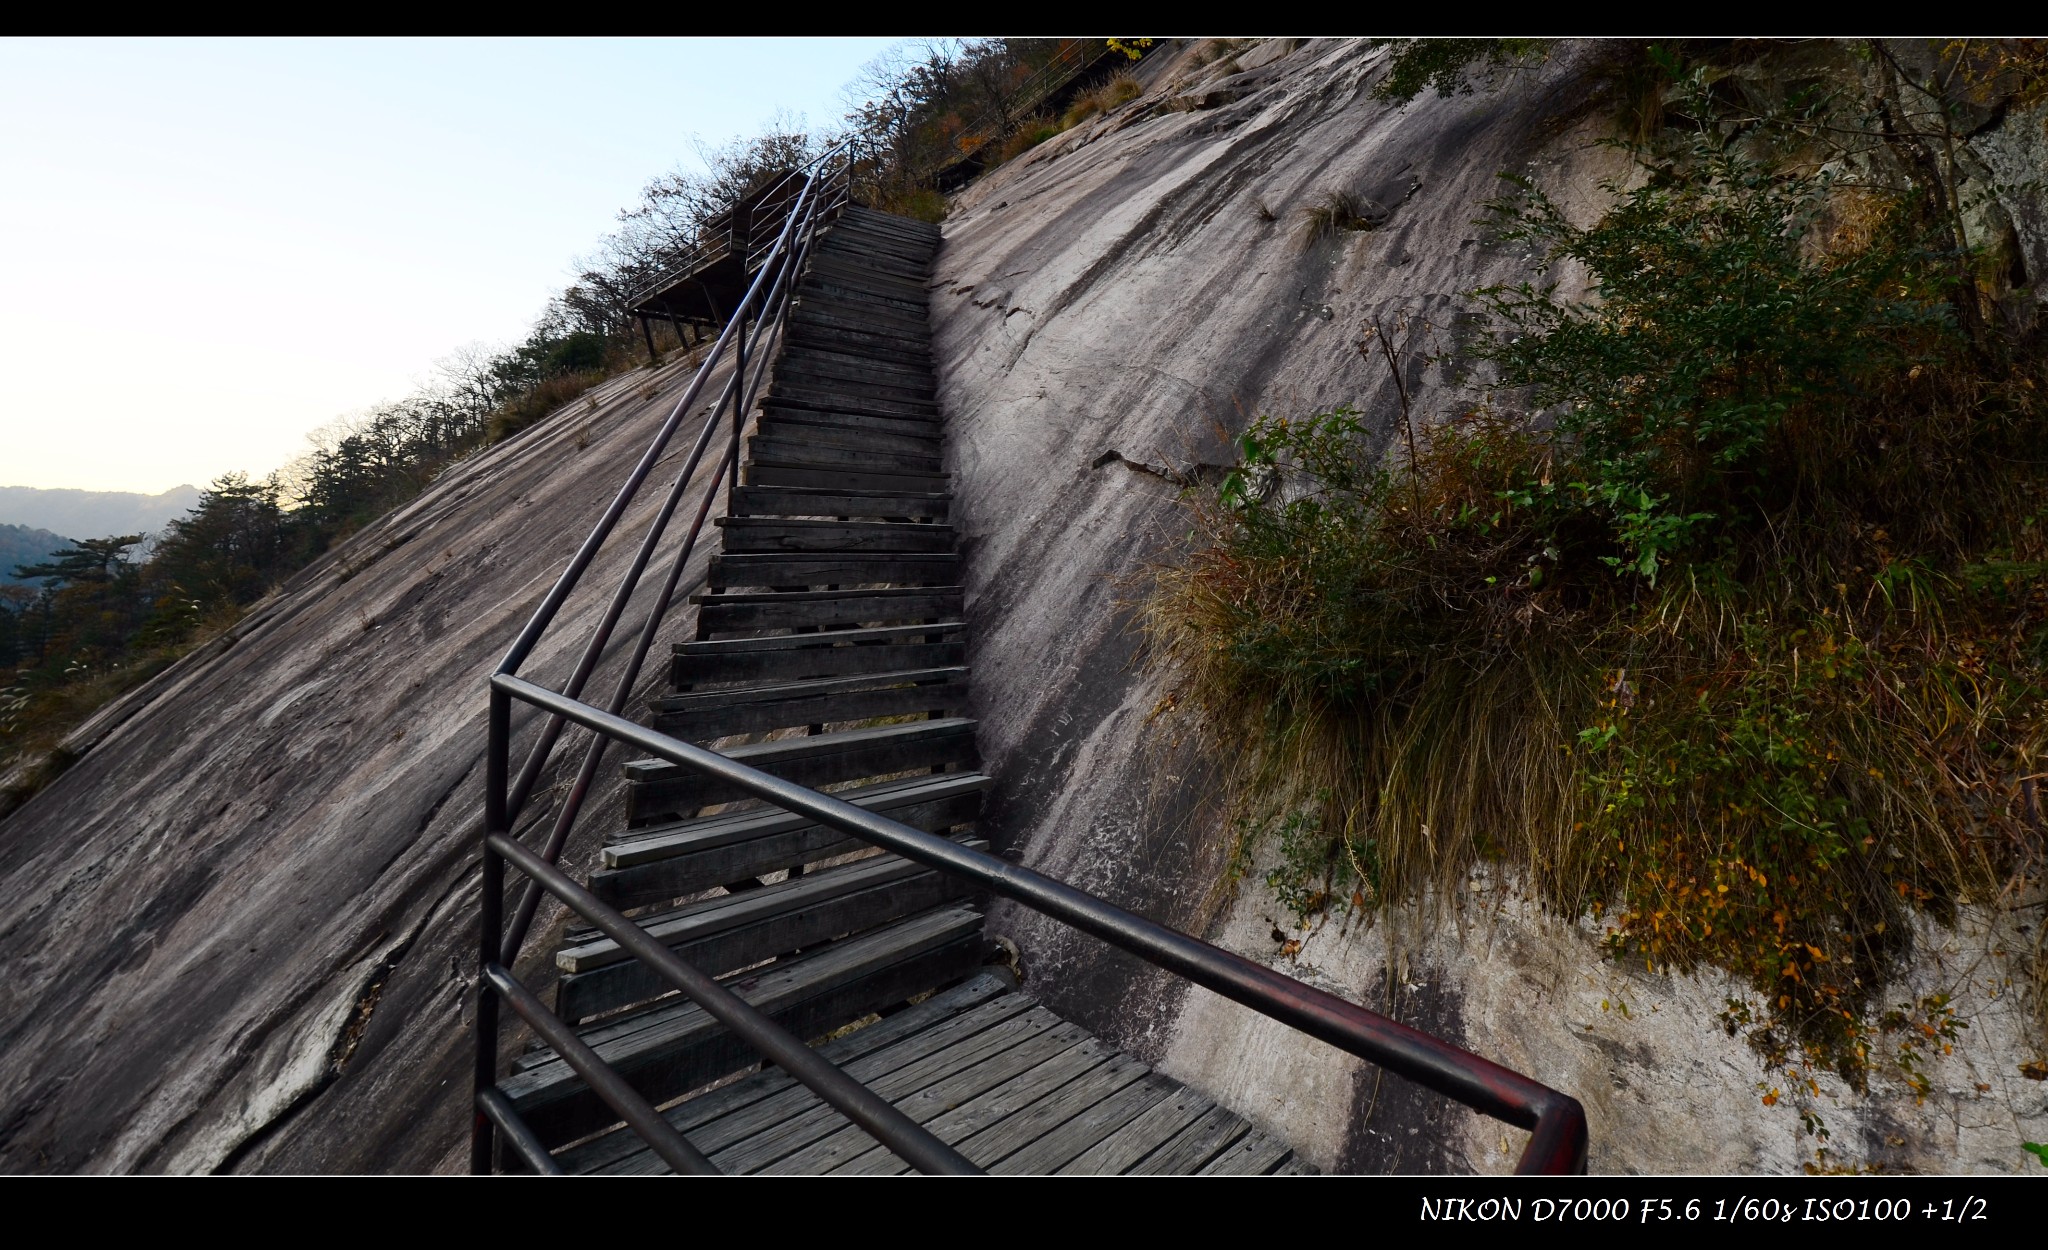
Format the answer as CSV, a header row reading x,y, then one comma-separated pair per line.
x,y
1721,610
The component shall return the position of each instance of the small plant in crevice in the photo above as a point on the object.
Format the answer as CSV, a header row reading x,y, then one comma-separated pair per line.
x,y
1722,613
1333,213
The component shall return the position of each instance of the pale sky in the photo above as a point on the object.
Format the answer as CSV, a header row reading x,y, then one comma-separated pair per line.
x,y
209,248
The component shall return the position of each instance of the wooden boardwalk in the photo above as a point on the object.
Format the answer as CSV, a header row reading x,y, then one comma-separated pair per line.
x,y
831,650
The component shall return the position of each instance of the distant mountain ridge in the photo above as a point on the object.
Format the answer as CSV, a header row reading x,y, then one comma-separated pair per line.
x,y
22,544
93,513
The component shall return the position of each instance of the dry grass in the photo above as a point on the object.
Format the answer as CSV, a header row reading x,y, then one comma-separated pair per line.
x,y
1120,89
1333,213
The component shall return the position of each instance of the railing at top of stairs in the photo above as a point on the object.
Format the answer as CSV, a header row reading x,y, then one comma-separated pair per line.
x,y
809,198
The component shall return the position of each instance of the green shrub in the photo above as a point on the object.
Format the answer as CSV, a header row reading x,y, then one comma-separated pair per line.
x,y
1723,614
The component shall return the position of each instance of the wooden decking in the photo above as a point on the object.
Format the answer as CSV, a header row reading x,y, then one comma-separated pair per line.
x,y
831,650
990,1072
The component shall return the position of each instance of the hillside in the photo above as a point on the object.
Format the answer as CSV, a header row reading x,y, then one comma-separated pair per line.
x,y
22,544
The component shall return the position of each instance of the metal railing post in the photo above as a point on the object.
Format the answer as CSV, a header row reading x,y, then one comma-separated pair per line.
x,y
490,920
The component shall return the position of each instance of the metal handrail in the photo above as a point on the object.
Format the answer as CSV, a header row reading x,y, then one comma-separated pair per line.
x,y
1557,1122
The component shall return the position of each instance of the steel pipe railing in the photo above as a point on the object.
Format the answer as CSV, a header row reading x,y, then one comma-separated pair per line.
x,y
1558,1140
813,194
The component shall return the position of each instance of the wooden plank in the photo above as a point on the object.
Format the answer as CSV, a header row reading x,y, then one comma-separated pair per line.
x,y
942,1095
765,1149
852,398
759,472
830,308
1006,1099
673,1048
753,1144
752,929
818,357
1055,1109
655,842
784,642
830,277
588,950
930,429
806,451
800,501
1194,1145
904,256
777,691
1093,1068
764,534
912,398
910,346
819,317
970,995
966,1033
813,363
658,789
1255,1154
796,663
706,724
826,433
803,568
1157,1110
827,609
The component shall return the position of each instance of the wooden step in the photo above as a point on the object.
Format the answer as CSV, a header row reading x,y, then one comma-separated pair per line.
x,y
856,240
851,430
813,502
833,360
707,715
859,217
931,429
902,349
790,657
842,406
850,398
659,790
793,374
916,568
674,1047
828,308
851,349
862,240
743,534
843,368
910,302
756,471
666,861
730,1113
890,268
820,452
869,272
827,609
735,931
819,320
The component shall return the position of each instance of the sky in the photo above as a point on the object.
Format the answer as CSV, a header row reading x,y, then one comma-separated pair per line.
x,y
210,248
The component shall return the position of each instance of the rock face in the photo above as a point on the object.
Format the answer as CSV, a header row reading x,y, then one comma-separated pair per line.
x,y
242,924
1111,309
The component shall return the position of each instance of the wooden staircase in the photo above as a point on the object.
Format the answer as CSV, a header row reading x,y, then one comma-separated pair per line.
x,y
831,651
